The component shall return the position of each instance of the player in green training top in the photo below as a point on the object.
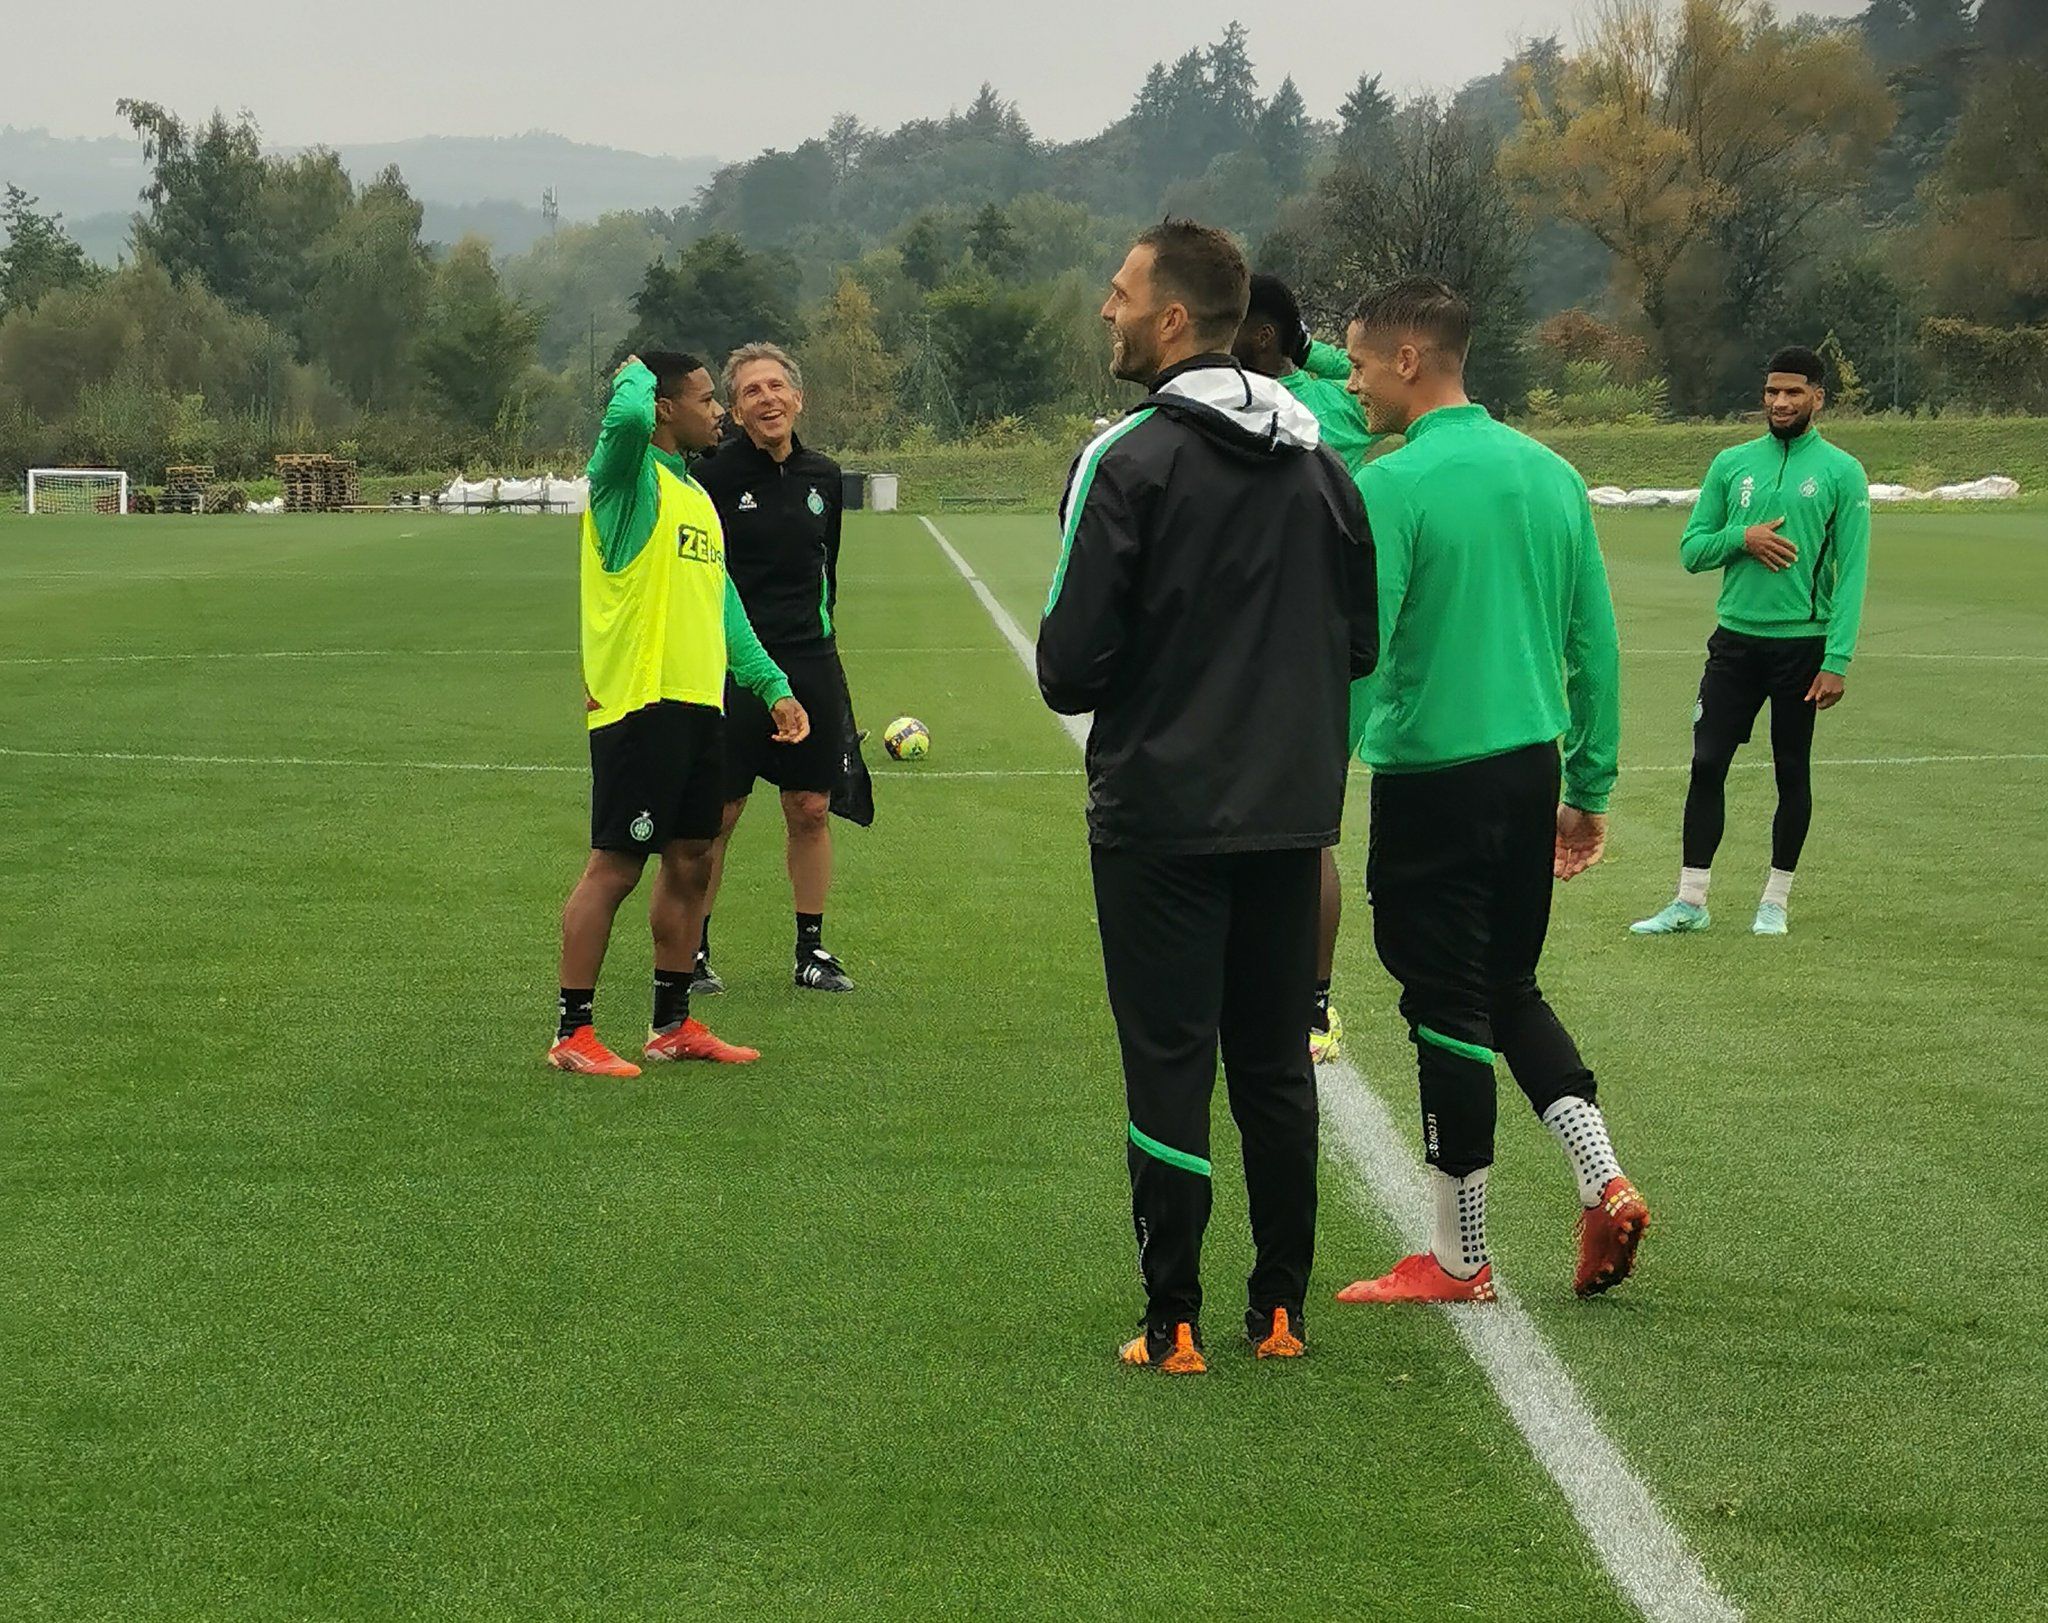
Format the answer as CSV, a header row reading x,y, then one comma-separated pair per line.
x,y
1497,640
1274,341
662,625
1786,519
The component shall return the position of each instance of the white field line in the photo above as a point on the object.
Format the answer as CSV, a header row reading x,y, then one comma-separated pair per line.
x,y
893,774
1863,654
905,774
395,653
1643,1553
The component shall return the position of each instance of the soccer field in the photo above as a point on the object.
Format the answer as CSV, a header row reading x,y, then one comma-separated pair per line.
x,y
323,1297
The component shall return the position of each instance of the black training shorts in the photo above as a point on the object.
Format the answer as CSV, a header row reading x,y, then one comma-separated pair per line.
x,y
750,751
1742,672
655,777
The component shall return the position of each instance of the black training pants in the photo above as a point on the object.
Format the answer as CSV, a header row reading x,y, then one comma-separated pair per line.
x,y
1200,950
1742,672
1459,873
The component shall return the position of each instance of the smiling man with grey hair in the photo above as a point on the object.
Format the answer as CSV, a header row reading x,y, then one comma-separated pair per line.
x,y
780,504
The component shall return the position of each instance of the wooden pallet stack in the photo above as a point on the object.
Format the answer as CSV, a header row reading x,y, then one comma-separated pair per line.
x,y
308,483
185,487
344,484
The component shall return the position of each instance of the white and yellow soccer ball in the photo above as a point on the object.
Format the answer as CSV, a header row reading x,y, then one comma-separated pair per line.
x,y
907,739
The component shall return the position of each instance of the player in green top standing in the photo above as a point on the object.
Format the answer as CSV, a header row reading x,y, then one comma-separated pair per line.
x,y
1786,519
1497,640
1274,341
661,626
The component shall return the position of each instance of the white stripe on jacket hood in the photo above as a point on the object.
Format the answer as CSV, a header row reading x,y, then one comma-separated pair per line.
x,y
1254,404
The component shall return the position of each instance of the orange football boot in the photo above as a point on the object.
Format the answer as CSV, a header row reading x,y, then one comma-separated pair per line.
x,y
1283,1340
1421,1278
1184,1357
581,1051
1608,1236
693,1040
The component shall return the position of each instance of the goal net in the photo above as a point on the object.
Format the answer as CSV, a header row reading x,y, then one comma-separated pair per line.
x,y
77,490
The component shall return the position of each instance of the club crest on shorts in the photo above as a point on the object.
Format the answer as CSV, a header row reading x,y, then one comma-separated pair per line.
x,y
1809,488
816,504
641,828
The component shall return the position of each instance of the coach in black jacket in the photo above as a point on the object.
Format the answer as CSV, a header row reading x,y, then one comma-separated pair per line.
x,y
1213,600
779,504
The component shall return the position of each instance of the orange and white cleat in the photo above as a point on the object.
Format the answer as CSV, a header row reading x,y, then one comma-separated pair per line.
x,y
1421,1278
581,1051
1282,1337
1176,1350
1608,1236
693,1040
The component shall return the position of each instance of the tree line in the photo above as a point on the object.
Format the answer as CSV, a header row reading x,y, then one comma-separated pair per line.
x,y
1636,217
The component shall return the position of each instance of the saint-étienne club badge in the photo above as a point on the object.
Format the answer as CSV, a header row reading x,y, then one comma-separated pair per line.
x,y
816,504
641,828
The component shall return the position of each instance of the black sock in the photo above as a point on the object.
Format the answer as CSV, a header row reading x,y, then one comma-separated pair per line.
x,y
810,932
671,998
573,1010
704,943
1320,1019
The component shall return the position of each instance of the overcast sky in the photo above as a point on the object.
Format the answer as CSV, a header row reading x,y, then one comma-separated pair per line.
x,y
734,78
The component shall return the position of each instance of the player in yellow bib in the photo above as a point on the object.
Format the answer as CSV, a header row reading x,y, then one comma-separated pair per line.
x,y
661,626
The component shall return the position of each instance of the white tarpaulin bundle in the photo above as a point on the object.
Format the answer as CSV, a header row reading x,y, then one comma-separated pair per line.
x,y
546,494
1992,488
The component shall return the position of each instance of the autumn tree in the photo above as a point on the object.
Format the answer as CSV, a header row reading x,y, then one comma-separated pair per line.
x,y
1673,119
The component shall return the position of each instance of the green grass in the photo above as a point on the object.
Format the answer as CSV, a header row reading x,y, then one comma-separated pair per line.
x,y
1921,452
326,1299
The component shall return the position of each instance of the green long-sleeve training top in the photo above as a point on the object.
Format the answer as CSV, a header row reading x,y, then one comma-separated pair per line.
x,y
1496,625
1823,495
1318,383
623,501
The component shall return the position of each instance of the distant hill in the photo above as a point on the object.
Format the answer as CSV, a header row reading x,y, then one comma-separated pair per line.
x,y
491,184
588,180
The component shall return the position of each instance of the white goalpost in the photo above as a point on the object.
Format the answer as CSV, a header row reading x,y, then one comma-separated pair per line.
x,y
77,490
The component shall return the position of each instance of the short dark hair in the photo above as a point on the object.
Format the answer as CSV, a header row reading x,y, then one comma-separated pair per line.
x,y
1273,300
670,367
1421,305
1798,358
1200,267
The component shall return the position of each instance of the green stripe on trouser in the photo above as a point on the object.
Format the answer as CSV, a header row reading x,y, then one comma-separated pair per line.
x,y
1167,1153
1485,1056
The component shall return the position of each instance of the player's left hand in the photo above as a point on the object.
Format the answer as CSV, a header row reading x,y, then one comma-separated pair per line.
x,y
1826,691
1581,841
792,726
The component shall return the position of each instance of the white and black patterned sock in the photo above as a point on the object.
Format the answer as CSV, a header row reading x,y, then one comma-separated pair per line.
x,y
1457,1236
1582,1131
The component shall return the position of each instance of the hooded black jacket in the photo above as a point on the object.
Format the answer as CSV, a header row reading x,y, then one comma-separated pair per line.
x,y
1213,601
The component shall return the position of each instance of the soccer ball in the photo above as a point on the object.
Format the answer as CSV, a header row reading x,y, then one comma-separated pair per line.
x,y
906,739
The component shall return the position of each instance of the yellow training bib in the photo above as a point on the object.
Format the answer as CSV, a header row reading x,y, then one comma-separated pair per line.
x,y
656,629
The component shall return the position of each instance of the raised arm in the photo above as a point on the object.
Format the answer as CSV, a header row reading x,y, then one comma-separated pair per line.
x,y
1327,361
619,486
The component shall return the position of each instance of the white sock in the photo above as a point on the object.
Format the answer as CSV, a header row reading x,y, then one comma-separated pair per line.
x,y
1692,885
1579,1127
1457,1235
1778,888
